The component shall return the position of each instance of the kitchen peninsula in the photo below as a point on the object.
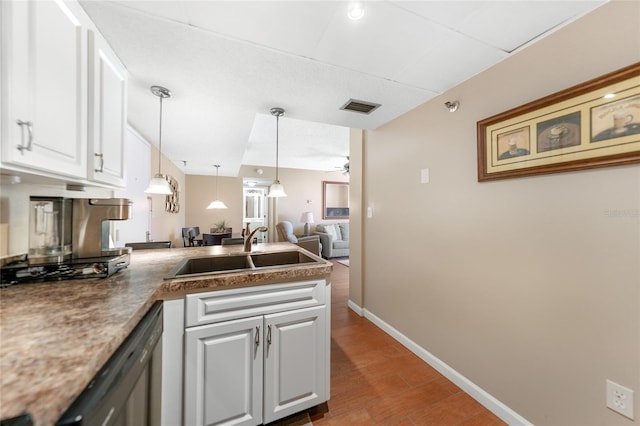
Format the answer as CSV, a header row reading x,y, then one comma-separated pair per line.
x,y
55,336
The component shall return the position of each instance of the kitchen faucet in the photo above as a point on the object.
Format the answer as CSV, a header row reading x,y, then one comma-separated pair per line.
x,y
249,240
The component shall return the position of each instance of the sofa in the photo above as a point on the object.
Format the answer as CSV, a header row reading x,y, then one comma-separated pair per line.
x,y
285,233
334,238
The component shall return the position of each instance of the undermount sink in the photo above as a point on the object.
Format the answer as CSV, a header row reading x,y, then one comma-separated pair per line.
x,y
207,265
203,265
261,260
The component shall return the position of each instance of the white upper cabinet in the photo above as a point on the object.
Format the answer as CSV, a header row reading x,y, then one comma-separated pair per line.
x,y
107,113
44,86
63,95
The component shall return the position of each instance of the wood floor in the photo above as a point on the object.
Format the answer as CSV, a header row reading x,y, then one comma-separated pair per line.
x,y
377,381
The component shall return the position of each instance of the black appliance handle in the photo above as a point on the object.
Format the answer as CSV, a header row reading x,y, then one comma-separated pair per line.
x,y
23,420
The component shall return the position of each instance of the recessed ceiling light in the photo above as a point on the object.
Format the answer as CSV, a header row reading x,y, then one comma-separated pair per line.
x,y
609,95
356,11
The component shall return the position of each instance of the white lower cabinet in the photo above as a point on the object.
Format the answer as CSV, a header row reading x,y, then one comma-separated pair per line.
x,y
254,370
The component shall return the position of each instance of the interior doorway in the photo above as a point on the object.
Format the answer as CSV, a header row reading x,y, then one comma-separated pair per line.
x,y
255,211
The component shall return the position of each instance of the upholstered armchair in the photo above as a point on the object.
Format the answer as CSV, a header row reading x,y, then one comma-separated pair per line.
x,y
334,238
285,233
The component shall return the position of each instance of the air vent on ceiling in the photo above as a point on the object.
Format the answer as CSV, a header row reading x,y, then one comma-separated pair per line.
x,y
359,106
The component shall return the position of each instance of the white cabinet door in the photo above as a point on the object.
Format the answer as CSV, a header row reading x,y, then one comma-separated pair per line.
x,y
223,373
107,112
44,86
295,367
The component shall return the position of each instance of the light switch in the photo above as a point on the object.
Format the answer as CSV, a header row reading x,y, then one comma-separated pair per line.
x,y
424,176
369,212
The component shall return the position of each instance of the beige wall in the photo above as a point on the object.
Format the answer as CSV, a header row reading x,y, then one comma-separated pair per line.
x,y
201,191
529,287
303,188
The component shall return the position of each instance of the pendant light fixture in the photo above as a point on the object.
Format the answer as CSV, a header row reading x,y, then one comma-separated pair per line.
x,y
217,204
277,190
158,183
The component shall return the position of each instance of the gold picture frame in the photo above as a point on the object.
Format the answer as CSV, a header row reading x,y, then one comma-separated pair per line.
x,y
593,124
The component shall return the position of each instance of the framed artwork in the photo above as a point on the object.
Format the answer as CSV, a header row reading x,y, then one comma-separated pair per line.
x,y
335,200
593,124
172,203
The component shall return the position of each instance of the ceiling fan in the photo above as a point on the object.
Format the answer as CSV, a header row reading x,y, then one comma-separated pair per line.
x,y
345,167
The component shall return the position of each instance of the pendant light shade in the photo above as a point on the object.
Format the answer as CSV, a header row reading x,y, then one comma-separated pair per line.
x,y
158,183
217,204
277,190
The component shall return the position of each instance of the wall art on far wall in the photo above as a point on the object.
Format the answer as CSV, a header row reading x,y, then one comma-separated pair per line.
x,y
172,203
593,124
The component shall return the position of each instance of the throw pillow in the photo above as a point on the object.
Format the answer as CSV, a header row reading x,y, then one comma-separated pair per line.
x,y
331,230
338,232
344,231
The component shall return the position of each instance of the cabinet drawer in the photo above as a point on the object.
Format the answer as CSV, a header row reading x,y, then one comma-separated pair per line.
x,y
223,305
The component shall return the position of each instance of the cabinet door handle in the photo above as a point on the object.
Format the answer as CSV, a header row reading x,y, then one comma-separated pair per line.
x,y
269,335
257,339
101,169
29,127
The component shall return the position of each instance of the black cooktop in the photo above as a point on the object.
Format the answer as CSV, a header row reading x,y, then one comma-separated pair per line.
x,y
21,272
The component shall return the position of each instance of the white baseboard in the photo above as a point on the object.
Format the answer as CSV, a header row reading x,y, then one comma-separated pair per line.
x,y
355,308
487,400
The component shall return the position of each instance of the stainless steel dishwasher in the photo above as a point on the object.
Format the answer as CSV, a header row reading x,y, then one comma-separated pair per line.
x,y
126,391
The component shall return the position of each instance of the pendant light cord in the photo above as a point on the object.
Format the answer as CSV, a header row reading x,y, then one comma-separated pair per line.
x,y
277,139
160,141
217,179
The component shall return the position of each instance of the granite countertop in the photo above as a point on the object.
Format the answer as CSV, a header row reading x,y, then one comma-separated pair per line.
x,y
55,336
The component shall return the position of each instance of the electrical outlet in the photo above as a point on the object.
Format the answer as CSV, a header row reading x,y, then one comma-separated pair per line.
x,y
620,399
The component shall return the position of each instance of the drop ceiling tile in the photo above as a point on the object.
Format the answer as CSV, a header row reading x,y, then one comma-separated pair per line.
x,y
261,22
172,10
510,24
452,61
451,14
379,44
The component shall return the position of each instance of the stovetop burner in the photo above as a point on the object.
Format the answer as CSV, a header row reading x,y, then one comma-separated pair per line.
x,y
20,272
